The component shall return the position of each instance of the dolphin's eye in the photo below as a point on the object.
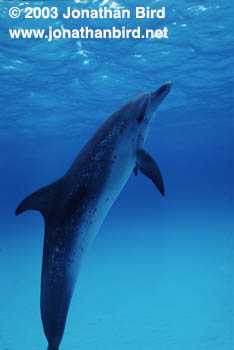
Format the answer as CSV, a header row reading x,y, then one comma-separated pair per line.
x,y
140,117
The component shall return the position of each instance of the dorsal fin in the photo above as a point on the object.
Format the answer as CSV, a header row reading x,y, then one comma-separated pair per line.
x,y
40,200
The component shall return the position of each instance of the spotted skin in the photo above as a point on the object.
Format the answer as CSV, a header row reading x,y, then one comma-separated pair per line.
x,y
75,206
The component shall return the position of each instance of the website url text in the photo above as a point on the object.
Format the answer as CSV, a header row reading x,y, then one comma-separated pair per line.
x,y
88,33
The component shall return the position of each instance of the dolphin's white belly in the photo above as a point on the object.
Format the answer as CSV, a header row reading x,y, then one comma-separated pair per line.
x,y
98,209
115,181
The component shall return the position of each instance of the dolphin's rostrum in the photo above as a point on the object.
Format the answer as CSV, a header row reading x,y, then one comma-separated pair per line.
x,y
75,206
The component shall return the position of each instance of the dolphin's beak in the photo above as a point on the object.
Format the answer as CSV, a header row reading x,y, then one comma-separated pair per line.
x,y
162,92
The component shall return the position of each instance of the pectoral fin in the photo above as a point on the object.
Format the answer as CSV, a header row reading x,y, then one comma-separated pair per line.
x,y
149,167
135,170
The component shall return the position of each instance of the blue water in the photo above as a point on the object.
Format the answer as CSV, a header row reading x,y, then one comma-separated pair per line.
x,y
160,272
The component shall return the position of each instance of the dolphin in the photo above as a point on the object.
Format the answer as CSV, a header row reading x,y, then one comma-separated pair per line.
x,y
75,206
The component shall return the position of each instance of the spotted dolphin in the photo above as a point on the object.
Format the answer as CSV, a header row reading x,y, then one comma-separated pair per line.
x,y
75,206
